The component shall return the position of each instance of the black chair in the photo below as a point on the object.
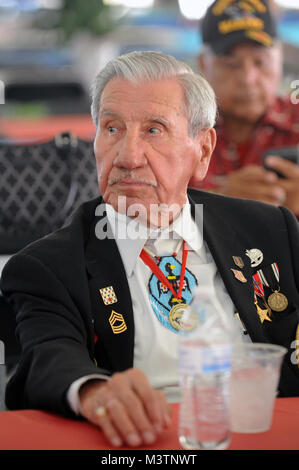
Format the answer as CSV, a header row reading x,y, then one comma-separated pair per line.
x,y
41,185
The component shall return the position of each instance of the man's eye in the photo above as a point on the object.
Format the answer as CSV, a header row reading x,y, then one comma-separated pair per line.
x,y
154,130
262,63
231,64
112,129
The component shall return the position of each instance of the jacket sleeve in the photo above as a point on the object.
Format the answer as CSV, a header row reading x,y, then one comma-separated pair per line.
x,y
289,380
293,234
54,337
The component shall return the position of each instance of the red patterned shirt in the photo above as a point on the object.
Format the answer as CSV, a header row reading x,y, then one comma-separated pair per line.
x,y
278,128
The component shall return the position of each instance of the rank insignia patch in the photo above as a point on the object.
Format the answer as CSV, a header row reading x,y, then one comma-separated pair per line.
x,y
117,322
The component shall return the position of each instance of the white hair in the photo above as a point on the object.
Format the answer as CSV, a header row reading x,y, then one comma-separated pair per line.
x,y
136,67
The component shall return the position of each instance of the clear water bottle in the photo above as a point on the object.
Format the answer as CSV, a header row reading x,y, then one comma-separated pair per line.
x,y
204,369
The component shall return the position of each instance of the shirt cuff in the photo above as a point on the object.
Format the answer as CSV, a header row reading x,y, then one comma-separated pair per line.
x,y
73,392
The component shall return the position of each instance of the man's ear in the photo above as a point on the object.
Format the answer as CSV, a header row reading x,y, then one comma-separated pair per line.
x,y
207,140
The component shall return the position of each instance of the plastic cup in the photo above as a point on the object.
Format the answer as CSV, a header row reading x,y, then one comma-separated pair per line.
x,y
253,386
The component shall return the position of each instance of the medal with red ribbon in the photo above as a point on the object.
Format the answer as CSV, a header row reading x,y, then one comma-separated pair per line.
x,y
166,288
258,285
264,314
269,277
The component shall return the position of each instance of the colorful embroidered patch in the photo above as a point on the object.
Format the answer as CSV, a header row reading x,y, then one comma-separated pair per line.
x,y
161,298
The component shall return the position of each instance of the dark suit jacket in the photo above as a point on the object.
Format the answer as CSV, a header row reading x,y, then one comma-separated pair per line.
x,y
54,285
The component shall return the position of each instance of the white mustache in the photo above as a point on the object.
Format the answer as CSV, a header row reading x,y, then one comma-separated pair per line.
x,y
135,179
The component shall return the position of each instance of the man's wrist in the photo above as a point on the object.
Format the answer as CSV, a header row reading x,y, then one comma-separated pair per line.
x,y
73,393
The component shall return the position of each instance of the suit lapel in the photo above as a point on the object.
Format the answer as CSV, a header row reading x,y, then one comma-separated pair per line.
x,y
114,323
223,245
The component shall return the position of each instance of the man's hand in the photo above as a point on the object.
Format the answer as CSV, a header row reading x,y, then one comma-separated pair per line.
x,y
290,184
254,182
126,408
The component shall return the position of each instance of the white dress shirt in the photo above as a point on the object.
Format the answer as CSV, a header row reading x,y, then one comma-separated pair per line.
x,y
155,346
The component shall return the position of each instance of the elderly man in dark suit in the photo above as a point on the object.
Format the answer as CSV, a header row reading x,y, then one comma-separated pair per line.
x,y
98,302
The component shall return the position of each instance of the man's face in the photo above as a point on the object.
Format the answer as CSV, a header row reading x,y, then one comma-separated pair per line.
x,y
245,81
142,147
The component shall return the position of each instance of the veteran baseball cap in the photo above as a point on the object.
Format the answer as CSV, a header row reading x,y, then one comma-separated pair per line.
x,y
230,22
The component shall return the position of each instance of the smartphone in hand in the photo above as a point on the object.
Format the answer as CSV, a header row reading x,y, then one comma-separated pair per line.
x,y
288,153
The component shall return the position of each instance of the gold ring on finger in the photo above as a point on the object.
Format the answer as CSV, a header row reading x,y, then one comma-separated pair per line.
x,y
101,411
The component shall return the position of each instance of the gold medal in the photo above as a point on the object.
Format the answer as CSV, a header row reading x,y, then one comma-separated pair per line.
x,y
277,301
263,313
190,321
269,276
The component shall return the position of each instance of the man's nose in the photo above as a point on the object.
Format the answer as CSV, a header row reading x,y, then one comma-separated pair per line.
x,y
131,152
250,73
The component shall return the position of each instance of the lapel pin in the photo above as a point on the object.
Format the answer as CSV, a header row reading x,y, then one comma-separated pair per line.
x,y
255,255
117,322
108,295
238,261
239,275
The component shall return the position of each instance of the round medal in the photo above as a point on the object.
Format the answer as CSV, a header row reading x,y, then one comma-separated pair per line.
x,y
190,321
277,301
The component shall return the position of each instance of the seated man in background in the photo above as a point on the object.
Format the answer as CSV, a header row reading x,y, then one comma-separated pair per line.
x,y
242,60
97,306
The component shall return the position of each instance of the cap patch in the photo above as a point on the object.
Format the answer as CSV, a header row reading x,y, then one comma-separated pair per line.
x,y
227,26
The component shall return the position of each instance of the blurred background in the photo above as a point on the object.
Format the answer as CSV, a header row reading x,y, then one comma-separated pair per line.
x,y
50,50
